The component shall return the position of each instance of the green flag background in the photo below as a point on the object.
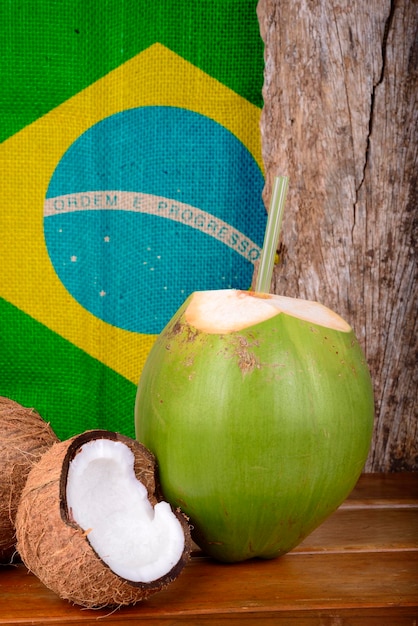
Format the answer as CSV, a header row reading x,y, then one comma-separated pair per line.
x,y
131,176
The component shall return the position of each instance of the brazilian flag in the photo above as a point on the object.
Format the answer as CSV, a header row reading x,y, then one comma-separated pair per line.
x,y
131,176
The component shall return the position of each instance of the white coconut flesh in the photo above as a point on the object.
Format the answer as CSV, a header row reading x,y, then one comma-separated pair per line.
x,y
137,541
228,310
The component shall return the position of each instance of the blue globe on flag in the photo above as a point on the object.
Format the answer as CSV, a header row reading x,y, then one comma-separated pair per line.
x,y
149,205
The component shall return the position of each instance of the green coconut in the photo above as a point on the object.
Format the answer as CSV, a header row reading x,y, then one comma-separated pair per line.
x,y
259,410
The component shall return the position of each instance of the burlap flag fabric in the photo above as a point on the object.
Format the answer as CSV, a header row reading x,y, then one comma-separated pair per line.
x,y
131,176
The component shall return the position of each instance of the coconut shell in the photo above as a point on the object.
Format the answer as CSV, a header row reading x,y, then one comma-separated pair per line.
x,y
24,438
56,549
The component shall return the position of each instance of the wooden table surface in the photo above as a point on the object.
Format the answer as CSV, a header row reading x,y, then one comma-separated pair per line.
x,y
359,568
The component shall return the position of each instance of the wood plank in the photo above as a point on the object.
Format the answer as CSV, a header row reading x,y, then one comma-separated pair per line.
x,y
381,490
365,530
360,568
296,584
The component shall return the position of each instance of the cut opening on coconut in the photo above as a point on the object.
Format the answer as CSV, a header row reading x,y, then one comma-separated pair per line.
x,y
227,310
138,541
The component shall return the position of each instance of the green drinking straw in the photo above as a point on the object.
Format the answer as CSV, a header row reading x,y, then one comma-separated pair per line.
x,y
271,236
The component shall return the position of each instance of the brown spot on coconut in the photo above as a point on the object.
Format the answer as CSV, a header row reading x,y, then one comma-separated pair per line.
x,y
92,524
24,438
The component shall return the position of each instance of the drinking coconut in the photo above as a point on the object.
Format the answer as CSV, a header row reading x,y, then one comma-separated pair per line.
x,y
259,410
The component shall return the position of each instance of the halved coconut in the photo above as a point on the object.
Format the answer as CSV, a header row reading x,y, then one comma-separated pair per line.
x,y
92,526
24,437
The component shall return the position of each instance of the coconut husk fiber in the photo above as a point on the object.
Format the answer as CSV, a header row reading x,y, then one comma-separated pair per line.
x,y
57,550
24,438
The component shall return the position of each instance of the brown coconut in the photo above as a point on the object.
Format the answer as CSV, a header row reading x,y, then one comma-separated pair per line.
x,y
57,549
24,438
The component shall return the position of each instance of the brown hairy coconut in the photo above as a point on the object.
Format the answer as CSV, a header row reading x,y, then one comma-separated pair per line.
x,y
92,525
24,438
